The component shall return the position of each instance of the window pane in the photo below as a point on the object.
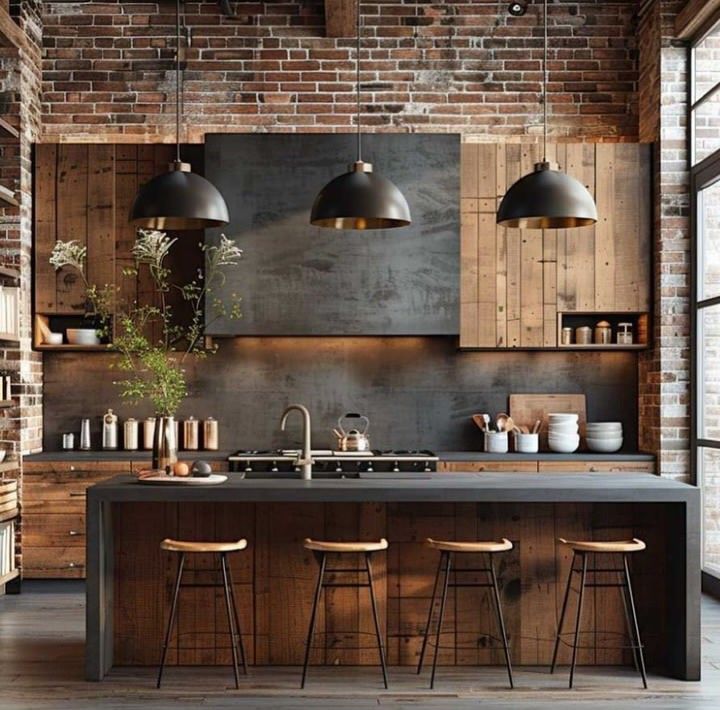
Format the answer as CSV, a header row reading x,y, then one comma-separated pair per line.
x,y
709,380
709,470
706,127
706,55
708,236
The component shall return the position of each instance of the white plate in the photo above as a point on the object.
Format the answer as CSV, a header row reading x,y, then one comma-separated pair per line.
x,y
212,480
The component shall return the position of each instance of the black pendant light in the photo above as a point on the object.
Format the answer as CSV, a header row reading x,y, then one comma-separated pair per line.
x,y
547,198
179,199
360,199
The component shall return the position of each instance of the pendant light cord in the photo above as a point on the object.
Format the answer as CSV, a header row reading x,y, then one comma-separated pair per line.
x,y
357,80
545,78
177,81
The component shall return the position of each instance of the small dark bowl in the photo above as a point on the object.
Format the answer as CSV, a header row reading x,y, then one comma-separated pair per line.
x,y
200,469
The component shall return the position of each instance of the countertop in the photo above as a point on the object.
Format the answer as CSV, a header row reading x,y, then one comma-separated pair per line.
x,y
465,487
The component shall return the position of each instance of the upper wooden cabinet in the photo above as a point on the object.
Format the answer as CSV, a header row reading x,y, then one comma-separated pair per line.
x,y
515,282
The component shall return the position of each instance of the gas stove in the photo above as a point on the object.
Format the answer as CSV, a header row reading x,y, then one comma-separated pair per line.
x,y
327,461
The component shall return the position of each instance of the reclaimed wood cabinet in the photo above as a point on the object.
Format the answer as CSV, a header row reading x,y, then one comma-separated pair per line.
x,y
514,283
511,465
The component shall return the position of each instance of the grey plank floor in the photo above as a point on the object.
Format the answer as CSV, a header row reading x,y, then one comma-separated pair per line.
x,y
41,666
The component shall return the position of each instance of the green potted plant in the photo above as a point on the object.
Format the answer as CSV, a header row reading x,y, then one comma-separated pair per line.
x,y
153,366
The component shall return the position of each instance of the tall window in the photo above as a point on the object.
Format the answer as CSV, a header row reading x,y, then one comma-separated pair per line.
x,y
705,216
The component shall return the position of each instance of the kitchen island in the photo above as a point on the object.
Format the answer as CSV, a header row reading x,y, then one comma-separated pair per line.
x,y
129,578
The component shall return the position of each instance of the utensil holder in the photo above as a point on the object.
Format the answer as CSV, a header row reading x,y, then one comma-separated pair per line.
x,y
527,443
496,442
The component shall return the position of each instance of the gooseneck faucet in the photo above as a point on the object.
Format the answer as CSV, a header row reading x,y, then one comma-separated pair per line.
x,y
304,460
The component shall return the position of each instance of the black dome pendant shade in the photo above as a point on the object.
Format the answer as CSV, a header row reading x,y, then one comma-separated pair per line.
x,y
546,198
178,199
359,198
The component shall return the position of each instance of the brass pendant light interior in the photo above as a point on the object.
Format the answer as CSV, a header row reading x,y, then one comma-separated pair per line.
x,y
547,198
360,199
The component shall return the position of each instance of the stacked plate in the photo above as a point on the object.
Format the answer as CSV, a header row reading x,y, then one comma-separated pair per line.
x,y
563,433
604,437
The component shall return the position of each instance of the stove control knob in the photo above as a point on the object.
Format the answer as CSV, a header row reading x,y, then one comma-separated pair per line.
x,y
427,468
338,468
396,467
248,468
274,468
370,468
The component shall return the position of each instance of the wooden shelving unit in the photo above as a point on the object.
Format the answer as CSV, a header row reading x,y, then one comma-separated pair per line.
x,y
639,320
43,322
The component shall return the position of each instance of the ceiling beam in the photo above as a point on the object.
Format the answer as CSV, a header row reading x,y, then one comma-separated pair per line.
x,y
340,18
696,17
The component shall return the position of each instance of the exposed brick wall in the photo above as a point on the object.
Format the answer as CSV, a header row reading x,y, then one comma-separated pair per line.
x,y
429,66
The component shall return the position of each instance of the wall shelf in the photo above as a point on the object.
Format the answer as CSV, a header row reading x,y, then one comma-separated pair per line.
x,y
4,579
8,197
7,272
8,129
5,403
6,466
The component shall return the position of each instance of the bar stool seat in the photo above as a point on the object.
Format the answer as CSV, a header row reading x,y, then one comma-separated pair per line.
x,y
330,547
221,549
448,549
451,546
214,547
321,549
582,550
633,545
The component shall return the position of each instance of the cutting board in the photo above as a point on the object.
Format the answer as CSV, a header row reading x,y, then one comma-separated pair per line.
x,y
526,409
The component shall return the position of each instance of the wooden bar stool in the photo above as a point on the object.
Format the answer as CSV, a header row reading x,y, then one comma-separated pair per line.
x,y
447,552
222,549
581,551
321,549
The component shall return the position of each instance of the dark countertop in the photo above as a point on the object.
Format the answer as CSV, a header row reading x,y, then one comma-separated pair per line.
x,y
461,487
143,455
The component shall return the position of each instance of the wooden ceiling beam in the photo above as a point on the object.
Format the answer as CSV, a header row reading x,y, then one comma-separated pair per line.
x,y
340,18
696,17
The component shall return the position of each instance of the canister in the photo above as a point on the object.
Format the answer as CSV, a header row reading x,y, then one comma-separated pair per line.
x,y
210,434
583,335
625,334
68,441
603,333
110,430
191,434
85,440
148,433
131,430
567,336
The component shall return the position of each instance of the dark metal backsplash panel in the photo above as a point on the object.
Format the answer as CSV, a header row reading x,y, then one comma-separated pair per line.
x,y
418,392
297,279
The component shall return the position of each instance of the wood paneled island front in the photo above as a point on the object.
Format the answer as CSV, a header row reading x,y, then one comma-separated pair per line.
x,y
130,579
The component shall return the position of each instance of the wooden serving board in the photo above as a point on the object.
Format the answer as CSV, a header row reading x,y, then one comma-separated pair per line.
x,y
212,480
526,409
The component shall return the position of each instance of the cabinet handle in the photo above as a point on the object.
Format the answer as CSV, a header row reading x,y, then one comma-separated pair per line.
x,y
72,467
593,469
71,564
74,532
76,494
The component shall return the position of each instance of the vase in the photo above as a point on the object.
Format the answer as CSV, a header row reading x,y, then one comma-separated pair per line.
x,y
164,451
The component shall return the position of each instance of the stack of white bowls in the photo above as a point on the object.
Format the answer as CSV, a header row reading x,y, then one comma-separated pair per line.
x,y
604,437
563,433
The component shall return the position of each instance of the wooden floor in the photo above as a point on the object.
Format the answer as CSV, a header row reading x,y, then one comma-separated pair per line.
x,y
41,666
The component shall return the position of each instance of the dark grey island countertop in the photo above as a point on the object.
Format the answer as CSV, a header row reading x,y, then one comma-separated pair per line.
x,y
460,487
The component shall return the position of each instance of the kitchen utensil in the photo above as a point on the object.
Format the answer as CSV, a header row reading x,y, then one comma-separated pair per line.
x,y
68,441
624,334
566,337
496,442
131,430
110,430
210,434
85,439
527,443
201,469
583,335
82,336
148,433
503,422
528,408
536,426
602,335
191,434
163,479
355,439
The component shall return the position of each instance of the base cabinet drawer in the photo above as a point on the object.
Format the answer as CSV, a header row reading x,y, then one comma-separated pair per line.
x,y
62,530
597,467
54,562
488,466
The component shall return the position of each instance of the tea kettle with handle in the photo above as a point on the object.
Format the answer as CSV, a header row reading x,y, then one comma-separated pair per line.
x,y
355,438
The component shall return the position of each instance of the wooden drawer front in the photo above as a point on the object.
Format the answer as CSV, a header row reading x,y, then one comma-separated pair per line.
x,y
66,530
60,470
53,562
488,466
56,497
597,467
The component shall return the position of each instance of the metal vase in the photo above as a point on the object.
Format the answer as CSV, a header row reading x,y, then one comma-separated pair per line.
x,y
164,451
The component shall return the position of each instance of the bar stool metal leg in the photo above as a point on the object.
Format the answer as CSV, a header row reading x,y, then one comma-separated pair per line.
x,y
562,614
313,615
231,622
448,565
501,621
583,577
171,619
373,603
430,614
633,613
237,621
628,623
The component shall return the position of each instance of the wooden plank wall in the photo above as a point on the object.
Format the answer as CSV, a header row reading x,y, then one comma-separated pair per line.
x,y
275,580
514,281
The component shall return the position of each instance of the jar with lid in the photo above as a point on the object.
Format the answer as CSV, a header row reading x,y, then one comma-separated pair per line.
x,y
603,333
625,334
567,336
583,335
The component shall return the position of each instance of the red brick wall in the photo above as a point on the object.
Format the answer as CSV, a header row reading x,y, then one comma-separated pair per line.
x,y
445,66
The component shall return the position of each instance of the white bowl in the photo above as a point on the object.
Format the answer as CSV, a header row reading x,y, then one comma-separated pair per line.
x,y
82,336
53,338
564,428
604,426
569,439
563,417
604,435
604,446
564,446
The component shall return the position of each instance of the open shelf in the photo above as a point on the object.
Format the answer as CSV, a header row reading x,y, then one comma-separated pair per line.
x,y
70,347
59,323
7,272
10,338
640,322
6,466
4,579
8,197
8,129
5,403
